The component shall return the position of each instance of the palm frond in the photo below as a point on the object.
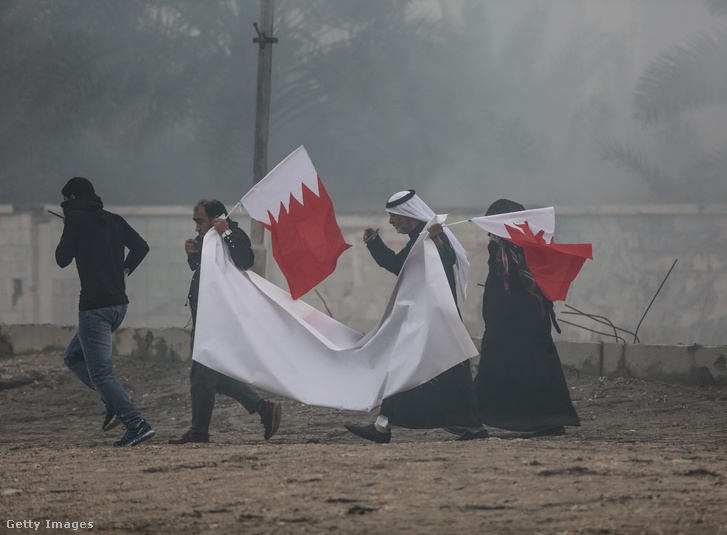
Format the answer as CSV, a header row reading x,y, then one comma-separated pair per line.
x,y
683,78
636,163
710,170
718,7
517,143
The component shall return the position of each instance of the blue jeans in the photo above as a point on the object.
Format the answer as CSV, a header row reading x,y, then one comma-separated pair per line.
x,y
88,356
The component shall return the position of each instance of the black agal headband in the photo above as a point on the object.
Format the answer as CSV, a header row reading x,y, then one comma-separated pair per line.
x,y
401,200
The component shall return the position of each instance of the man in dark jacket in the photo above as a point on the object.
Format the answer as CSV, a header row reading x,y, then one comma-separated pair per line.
x,y
206,382
98,240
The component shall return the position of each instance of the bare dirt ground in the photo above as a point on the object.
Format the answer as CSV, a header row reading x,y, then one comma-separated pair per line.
x,y
649,458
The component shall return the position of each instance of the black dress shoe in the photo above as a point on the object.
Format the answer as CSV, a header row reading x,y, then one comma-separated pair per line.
x,y
369,432
271,419
469,435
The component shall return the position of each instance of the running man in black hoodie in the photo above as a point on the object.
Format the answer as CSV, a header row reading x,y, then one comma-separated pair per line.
x,y
98,240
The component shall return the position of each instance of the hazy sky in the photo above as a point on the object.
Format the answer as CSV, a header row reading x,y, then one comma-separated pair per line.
x,y
644,29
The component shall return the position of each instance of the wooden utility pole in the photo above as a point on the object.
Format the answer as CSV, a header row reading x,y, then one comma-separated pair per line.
x,y
265,42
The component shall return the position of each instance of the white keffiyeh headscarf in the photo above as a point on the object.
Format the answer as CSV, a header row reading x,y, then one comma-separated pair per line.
x,y
408,203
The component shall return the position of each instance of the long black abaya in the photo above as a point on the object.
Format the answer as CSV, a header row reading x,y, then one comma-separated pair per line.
x,y
519,384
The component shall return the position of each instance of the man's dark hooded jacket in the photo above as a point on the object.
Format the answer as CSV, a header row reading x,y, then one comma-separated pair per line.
x,y
98,240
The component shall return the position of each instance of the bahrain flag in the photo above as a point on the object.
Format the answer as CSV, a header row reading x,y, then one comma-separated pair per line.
x,y
553,266
293,205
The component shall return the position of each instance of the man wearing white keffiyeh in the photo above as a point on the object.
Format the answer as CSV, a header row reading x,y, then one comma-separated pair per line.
x,y
448,400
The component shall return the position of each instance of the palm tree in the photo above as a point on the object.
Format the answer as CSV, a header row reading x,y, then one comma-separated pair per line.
x,y
76,69
673,89
429,102
121,74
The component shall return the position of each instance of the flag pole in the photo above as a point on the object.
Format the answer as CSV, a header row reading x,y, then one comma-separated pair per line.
x,y
265,41
233,209
450,224
457,222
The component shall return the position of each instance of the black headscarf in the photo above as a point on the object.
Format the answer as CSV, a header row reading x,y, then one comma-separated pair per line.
x,y
84,196
504,206
509,252
78,187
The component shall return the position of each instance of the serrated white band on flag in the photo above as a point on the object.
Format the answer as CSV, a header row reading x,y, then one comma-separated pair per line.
x,y
279,185
538,219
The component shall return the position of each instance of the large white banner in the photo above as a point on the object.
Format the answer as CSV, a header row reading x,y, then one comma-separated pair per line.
x,y
251,330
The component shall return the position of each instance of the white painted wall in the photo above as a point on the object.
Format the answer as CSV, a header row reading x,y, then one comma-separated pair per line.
x,y
634,247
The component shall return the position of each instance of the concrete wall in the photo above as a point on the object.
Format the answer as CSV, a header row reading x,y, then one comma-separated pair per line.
x,y
675,364
634,247
691,365
33,289
172,344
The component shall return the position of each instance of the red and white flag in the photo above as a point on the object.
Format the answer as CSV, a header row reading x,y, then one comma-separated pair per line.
x,y
553,266
293,205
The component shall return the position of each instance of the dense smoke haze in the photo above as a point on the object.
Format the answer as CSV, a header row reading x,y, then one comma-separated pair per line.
x,y
547,102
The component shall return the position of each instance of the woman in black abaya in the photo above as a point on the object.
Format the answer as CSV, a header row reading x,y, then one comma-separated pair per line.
x,y
519,384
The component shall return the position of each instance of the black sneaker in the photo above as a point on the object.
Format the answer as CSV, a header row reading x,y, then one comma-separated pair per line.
x,y
271,418
136,435
369,432
110,421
